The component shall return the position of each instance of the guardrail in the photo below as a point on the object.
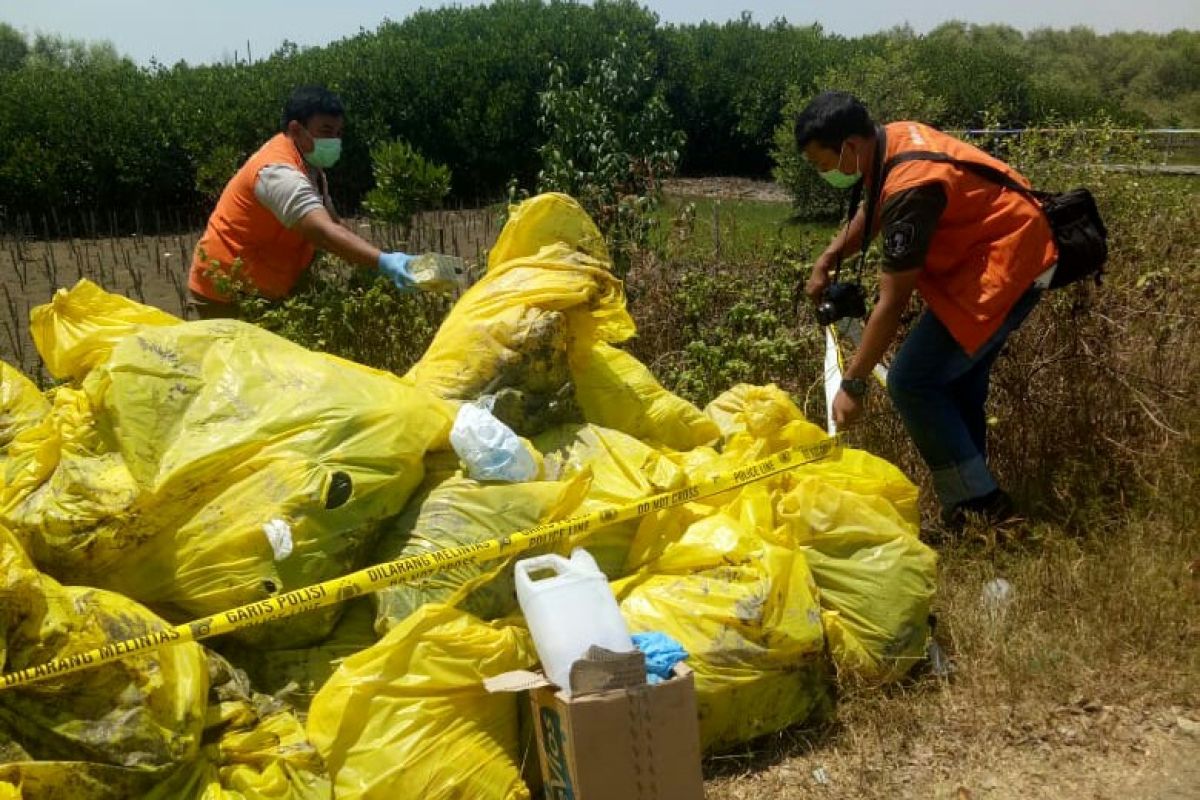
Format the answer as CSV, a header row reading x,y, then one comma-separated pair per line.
x,y
1178,149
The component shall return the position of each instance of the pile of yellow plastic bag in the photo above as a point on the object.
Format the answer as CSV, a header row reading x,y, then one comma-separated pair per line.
x,y
185,468
197,467
114,730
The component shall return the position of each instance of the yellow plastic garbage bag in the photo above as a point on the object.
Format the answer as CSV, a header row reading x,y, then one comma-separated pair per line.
x,y
109,731
623,469
62,478
266,762
760,412
743,608
853,518
409,717
758,421
537,330
79,780
616,390
237,465
547,220
547,285
273,761
21,405
460,511
79,327
257,749
296,673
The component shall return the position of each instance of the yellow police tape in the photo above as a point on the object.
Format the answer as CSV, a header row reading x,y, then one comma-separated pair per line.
x,y
392,573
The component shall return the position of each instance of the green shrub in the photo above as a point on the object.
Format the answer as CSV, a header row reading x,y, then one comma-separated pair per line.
x,y
352,313
405,183
609,143
462,85
886,83
215,171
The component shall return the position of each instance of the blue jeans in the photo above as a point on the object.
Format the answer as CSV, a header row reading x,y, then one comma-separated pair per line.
x,y
939,391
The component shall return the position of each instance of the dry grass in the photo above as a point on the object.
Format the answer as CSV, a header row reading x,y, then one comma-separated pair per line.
x,y
1082,687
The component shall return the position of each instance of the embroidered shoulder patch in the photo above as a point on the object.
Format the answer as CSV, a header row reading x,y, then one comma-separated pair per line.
x,y
898,239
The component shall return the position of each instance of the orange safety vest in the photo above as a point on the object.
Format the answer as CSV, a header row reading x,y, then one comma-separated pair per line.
x,y
990,243
273,257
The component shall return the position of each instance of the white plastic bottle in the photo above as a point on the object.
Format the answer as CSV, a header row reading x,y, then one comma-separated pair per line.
x,y
569,612
435,272
489,448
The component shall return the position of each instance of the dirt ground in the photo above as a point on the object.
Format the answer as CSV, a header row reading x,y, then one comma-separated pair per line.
x,y
727,189
153,268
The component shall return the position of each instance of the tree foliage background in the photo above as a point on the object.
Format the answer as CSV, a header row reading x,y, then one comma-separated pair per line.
x,y
82,127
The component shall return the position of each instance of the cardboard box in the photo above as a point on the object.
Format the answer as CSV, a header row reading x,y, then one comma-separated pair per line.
x,y
641,743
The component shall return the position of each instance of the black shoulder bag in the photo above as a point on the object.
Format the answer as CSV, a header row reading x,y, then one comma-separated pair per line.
x,y
1074,218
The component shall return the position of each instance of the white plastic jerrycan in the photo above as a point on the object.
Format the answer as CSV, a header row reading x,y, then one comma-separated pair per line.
x,y
569,612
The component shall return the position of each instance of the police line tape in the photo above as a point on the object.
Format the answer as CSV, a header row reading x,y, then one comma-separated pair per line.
x,y
411,568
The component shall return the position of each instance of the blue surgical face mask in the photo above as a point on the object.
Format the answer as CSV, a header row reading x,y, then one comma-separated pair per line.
x,y
838,179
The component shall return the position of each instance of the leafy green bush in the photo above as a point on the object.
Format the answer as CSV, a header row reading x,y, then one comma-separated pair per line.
x,y
462,86
609,143
405,183
215,171
352,313
890,88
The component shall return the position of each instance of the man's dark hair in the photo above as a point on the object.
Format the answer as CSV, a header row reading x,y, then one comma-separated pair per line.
x,y
306,102
830,119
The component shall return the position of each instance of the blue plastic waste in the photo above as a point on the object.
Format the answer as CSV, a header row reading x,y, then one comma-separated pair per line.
x,y
662,654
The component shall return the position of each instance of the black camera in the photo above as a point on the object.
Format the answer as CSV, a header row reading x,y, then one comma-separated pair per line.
x,y
841,300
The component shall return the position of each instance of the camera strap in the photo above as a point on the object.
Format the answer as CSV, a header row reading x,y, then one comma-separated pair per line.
x,y
856,197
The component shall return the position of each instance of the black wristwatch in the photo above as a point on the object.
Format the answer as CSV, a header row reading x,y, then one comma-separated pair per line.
x,y
855,387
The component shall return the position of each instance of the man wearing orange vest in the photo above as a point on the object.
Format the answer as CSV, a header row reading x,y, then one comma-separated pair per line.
x,y
275,213
979,255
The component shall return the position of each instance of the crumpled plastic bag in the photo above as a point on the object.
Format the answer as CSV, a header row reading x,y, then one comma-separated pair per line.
x,y
410,717
459,511
79,327
547,220
537,331
855,518
623,469
616,390
489,449
21,405
257,749
548,284
877,578
295,674
756,422
745,610
205,465
113,730
61,478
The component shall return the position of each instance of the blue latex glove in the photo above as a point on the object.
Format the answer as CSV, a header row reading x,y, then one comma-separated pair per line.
x,y
395,267
662,654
